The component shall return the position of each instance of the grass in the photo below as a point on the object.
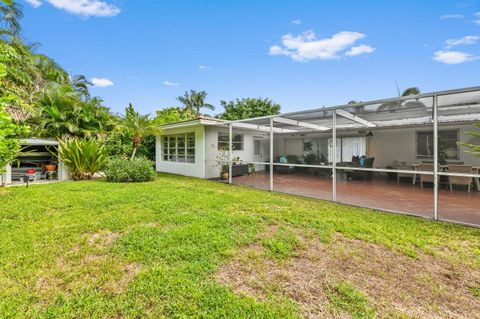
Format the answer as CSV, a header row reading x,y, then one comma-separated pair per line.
x,y
100,250
344,296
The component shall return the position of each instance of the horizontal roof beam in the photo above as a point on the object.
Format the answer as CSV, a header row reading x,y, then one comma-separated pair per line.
x,y
262,128
301,124
354,118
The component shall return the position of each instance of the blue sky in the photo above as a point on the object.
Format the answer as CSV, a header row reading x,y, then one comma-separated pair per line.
x,y
301,54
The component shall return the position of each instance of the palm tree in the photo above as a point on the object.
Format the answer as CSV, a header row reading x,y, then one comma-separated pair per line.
x,y
10,15
138,126
80,85
194,101
411,91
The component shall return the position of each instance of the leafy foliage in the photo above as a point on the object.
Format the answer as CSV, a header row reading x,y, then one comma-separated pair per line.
x,y
119,144
194,101
411,91
9,144
137,125
122,170
84,157
473,148
172,115
248,108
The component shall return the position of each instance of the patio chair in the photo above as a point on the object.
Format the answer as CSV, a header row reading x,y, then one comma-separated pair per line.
x,y
285,169
460,180
402,166
362,175
426,178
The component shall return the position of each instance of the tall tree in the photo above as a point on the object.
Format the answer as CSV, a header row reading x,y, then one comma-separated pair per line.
x,y
172,115
247,108
138,126
194,101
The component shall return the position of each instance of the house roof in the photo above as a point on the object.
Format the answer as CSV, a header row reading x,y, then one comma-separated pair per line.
x,y
453,107
199,120
37,142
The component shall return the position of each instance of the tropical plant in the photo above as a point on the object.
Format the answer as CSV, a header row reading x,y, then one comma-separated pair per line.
x,y
473,148
137,125
248,108
123,170
9,131
64,112
411,91
194,101
9,143
119,144
84,157
172,115
10,15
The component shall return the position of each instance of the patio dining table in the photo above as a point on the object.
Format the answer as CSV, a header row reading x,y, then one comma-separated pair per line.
x,y
475,170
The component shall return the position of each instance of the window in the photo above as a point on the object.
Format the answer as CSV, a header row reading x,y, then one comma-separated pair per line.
x,y
179,148
237,141
256,147
447,144
347,147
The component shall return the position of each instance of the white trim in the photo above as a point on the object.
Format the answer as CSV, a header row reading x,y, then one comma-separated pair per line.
x,y
301,124
355,118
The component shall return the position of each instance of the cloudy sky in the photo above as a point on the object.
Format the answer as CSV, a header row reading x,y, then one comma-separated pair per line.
x,y
301,54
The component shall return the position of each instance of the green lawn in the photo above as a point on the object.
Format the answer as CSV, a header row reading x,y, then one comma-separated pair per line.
x,y
158,249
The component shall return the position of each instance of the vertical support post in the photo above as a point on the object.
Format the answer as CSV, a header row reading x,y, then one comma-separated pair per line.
x,y
230,129
271,154
435,157
334,155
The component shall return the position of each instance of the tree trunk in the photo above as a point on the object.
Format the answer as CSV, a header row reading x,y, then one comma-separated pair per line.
x,y
135,144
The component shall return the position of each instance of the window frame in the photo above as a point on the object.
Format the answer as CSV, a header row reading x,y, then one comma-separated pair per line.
x,y
171,143
241,143
426,157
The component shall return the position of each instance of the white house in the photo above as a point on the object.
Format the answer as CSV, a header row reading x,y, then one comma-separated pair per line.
x,y
392,131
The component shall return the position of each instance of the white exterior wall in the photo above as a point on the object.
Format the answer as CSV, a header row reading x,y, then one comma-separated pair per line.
x,y
6,177
246,155
196,169
400,144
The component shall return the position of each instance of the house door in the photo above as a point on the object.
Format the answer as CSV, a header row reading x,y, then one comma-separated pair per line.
x,y
258,152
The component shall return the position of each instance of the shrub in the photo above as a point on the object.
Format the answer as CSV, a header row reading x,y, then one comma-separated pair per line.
x,y
84,157
122,170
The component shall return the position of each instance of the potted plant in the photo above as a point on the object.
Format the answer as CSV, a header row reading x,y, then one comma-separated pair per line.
x,y
51,167
251,169
222,163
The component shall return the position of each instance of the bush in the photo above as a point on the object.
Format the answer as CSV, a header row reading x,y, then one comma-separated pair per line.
x,y
120,170
84,157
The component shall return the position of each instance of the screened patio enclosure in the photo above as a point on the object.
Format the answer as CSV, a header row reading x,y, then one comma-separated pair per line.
x,y
404,155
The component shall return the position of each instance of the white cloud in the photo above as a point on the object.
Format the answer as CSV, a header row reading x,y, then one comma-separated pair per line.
x,y
469,39
84,8
133,78
451,16
478,17
297,21
205,67
361,49
101,82
306,46
168,83
453,57
34,3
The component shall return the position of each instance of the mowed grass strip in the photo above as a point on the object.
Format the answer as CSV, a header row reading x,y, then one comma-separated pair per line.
x,y
94,249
